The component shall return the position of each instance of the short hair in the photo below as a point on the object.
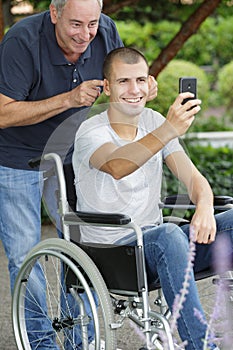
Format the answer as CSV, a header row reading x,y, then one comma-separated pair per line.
x,y
59,5
125,54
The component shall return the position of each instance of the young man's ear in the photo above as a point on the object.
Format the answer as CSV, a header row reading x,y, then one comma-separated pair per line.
x,y
106,88
153,88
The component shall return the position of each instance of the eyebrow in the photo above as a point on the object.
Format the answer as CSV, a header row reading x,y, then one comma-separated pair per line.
x,y
80,22
127,78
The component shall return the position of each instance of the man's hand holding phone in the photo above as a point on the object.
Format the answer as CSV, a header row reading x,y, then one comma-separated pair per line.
x,y
188,84
182,112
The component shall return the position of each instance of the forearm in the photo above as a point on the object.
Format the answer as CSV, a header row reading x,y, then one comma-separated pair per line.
x,y
200,192
21,113
203,222
197,186
126,159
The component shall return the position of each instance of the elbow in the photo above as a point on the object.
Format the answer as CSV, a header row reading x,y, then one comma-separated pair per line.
x,y
2,124
115,171
116,174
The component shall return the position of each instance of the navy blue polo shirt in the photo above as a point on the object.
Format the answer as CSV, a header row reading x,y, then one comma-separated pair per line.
x,y
33,68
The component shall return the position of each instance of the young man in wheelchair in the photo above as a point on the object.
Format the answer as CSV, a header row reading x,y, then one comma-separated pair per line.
x,y
118,160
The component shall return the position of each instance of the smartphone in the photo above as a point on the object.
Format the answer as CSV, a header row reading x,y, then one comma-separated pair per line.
x,y
188,84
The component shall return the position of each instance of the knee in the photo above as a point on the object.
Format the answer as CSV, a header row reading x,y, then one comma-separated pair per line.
x,y
167,236
224,221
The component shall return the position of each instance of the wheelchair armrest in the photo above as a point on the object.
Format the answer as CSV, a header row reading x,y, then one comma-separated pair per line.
x,y
183,199
97,218
222,200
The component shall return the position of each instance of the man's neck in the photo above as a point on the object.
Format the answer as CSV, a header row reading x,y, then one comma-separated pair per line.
x,y
72,58
125,132
124,126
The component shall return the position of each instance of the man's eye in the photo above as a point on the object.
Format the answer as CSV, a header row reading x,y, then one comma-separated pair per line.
x,y
93,25
75,25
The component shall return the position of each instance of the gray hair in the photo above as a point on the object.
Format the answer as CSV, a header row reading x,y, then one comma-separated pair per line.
x,y
59,5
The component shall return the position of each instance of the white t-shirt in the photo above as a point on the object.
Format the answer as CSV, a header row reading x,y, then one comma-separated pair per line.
x,y
137,195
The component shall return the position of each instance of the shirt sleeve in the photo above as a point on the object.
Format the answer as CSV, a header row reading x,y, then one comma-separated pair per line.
x,y
109,33
172,146
88,139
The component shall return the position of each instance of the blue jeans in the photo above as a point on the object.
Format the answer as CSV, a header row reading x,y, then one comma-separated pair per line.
x,y
20,230
20,217
166,250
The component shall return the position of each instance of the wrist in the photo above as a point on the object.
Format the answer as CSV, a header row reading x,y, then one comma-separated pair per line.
x,y
164,133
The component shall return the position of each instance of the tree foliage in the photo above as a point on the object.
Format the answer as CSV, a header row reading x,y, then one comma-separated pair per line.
x,y
190,18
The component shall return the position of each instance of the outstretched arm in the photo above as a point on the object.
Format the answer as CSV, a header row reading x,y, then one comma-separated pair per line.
x,y
122,161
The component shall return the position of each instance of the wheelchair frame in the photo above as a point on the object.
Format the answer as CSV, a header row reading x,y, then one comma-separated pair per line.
x,y
86,265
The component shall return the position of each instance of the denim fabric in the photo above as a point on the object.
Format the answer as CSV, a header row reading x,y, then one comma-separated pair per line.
x,y
166,254
20,230
20,218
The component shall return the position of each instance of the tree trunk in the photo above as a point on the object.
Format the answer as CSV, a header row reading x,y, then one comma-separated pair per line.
x,y
188,29
110,8
1,21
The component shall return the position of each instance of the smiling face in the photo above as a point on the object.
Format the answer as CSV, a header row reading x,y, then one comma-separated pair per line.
x,y
76,27
127,87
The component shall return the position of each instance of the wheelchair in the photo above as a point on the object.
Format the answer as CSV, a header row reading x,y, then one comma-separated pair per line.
x,y
98,287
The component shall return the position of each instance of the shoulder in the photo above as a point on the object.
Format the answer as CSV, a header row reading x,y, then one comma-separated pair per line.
x,y
28,29
108,31
151,118
92,125
106,22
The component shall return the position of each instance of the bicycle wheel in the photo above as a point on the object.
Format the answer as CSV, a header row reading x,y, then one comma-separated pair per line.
x,y
60,300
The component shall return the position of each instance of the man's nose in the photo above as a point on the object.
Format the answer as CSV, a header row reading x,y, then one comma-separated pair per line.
x,y
85,33
134,86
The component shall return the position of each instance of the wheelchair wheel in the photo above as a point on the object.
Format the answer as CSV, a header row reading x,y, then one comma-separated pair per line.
x,y
70,302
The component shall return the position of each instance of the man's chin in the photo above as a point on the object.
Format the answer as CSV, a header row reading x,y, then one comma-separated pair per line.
x,y
79,49
134,109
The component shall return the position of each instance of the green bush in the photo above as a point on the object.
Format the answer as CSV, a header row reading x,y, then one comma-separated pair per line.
x,y
223,40
225,85
210,45
149,38
211,123
168,84
214,163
